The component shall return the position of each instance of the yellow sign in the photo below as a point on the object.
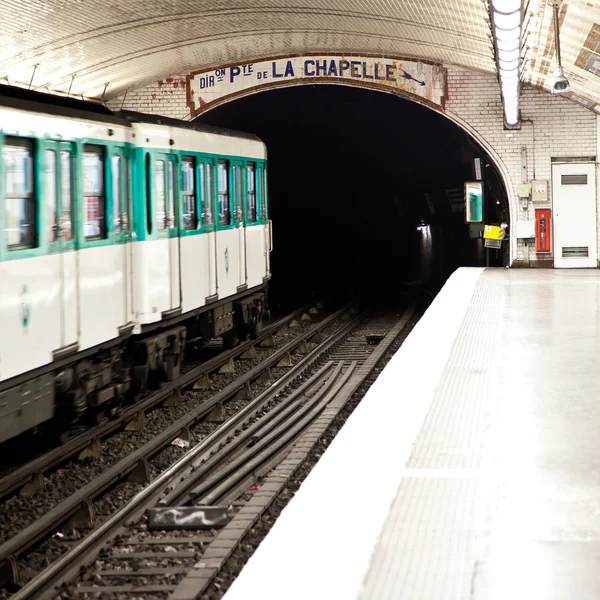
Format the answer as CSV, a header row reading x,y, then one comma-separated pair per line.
x,y
491,232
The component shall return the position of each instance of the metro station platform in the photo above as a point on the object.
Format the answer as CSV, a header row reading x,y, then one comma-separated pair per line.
x,y
471,469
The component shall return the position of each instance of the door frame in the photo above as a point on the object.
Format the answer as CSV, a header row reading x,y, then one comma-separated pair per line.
x,y
556,249
59,246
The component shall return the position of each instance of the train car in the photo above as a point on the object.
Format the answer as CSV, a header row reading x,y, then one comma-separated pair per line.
x,y
121,237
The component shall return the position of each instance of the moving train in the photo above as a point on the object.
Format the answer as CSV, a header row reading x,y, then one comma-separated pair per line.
x,y
122,236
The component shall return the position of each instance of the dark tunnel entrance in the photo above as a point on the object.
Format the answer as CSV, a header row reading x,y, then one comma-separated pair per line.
x,y
365,188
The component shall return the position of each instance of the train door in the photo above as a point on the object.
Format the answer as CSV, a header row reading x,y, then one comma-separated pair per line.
x,y
264,216
59,194
227,235
173,219
208,223
121,219
167,194
239,222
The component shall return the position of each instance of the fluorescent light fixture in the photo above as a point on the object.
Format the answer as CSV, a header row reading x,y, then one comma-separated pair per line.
x,y
506,6
508,54
509,76
511,46
510,65
512,35
507,22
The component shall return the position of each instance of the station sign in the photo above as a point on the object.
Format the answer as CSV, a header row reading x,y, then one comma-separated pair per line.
x,y
425,81
474,202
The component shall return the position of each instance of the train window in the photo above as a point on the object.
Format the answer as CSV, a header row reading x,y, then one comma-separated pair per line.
x,y
251,175
188,189
259,190
50,193
263,204
19,225
94,201
173,186
148,194
161,199
116,193
201,199
239,192
65,186
224,211
209,194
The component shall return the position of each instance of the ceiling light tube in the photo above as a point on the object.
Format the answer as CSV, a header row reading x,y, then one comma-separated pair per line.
x,y
506,6
508,65
507,22
508,55
511,35
504,46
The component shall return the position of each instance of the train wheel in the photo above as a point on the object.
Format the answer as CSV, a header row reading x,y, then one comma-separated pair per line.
x,y
230,339
96,416
173,367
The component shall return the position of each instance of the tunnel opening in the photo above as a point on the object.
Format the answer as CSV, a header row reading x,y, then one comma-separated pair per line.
x,y
366,190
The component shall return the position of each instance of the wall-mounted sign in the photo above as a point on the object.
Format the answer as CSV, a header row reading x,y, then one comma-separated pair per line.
x,y
492,243
492,232
425,81
473,202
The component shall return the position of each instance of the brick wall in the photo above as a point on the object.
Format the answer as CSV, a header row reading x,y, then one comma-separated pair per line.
x,y
166,97
562,128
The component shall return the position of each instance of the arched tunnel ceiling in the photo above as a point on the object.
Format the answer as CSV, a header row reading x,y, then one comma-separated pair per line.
x,y
86,44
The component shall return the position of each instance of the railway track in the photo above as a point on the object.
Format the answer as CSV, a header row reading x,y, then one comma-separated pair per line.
x,y
153,546
77,510
28,478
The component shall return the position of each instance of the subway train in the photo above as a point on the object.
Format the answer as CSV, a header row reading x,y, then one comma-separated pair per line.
x,y
122,236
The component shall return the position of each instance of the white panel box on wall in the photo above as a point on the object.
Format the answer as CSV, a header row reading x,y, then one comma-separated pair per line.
x,y
539,190
525,229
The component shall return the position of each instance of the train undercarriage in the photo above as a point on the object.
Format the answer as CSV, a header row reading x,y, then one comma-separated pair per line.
x,y
91,387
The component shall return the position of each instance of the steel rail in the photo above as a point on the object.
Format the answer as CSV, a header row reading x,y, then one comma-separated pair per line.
x,y
213,490
205,464
19,477
68,564
27,537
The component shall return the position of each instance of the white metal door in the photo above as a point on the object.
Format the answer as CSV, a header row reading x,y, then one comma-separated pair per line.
x,y
574,215
173,232
209,211
268,225
238,202
61,242
121,206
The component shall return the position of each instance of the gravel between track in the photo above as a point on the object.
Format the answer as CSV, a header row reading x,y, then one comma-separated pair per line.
x,y
239,558
17,512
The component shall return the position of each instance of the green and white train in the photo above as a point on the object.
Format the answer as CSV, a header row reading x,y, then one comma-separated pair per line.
x,y
121,236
